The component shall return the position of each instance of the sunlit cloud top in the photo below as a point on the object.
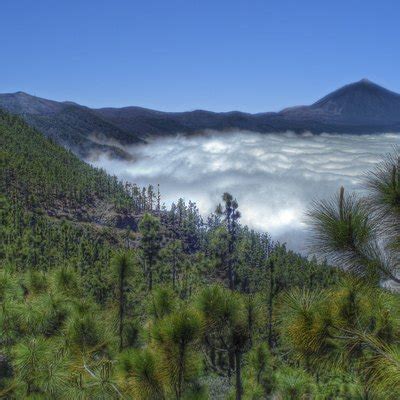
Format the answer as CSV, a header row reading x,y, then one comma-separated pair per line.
x,y
274,177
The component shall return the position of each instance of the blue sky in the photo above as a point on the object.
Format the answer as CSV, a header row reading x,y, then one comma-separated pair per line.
x,y
183,54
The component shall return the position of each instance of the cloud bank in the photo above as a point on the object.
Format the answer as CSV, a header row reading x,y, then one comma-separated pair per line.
x,y
274,177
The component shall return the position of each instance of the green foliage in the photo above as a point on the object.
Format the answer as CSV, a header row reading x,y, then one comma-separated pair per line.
x,y
84,332
150,244
259,375
37,370
142,370
177,336
361,234
294,384
122,268
162,302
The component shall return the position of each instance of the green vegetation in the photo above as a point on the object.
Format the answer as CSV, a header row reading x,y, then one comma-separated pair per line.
x,y
106,294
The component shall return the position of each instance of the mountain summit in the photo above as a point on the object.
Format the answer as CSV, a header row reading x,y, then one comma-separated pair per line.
x,y
363,100
360,107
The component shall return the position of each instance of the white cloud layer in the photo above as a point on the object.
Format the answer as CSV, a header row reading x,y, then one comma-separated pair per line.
x,y
274,177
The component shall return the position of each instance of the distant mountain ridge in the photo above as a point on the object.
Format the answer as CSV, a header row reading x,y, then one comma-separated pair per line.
x,y
360,107
73,126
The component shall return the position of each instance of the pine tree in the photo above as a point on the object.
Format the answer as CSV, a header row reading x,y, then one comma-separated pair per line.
x,y
177,337
226,320
150,244
231,217
172,256
122,267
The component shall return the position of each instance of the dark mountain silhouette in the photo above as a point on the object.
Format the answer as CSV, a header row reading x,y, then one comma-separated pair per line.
x,y
360,107
356,104
73,126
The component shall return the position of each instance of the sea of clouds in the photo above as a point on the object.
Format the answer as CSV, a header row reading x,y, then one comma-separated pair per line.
x,y
273,176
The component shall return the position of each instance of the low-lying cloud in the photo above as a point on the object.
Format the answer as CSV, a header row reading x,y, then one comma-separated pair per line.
x,y
274,177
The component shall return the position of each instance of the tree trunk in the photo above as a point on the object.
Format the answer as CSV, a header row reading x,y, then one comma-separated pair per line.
x,y
270,305
180,373
239,389
121,310
231,363
212,356
173,274
150,275
231,277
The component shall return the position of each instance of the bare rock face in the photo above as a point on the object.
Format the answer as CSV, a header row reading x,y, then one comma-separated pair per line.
x,y
119,220
99,213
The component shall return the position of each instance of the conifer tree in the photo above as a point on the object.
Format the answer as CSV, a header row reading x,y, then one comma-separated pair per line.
x,y
226,319
172,257
231,216
362,234
177,337
122,267
150,244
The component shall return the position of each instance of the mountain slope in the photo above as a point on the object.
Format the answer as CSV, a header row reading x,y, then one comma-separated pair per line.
x,y
69,124
49,203
147,122
361,107
43,177
359,103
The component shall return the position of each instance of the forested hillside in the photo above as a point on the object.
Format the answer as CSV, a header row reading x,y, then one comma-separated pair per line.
x,y
107,294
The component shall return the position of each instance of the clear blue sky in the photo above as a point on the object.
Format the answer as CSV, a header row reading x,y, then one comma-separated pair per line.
x,y
184,54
